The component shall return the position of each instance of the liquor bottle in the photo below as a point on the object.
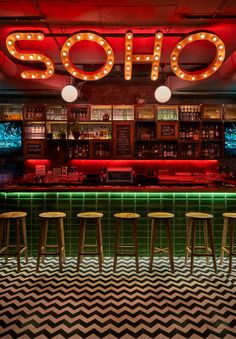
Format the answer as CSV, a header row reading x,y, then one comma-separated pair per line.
x,y
203,133
211,133
217,132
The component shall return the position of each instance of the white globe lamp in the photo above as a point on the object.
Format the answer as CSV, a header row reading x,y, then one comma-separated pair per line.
x,y
162,94
69,93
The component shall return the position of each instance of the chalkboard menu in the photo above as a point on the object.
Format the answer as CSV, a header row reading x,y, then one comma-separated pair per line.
x,y
34,149
123,140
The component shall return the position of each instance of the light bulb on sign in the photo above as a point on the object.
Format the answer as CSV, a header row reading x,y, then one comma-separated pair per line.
x,y
162,94
69,93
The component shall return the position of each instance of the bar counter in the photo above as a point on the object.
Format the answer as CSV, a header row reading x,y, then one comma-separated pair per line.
x,y
112,199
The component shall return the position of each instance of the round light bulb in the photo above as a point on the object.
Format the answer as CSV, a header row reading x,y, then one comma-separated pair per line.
x,y
162,94
69,93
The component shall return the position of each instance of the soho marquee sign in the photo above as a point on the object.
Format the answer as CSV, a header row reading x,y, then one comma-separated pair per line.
x,y
130,58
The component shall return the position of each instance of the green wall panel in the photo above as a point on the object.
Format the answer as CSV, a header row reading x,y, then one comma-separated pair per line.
x,y
111,202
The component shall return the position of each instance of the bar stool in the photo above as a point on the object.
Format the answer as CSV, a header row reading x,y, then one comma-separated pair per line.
x,y
84,217
60,246
120,218
5,220
165,218
229,222
206,219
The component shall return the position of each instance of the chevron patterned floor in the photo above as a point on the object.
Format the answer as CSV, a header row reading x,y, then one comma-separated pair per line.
x,y
111,305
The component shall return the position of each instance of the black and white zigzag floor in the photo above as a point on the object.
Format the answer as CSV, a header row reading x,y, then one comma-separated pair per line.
x,y
111,305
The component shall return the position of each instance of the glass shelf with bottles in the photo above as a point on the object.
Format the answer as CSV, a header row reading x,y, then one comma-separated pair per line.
x,y
34,112
10,112
123,112
90,130
145,130
100,149
34,130
211,150
56,130
156,150
78,149
101,112
212,131
189,112
189,131
56,112
189,150
79,112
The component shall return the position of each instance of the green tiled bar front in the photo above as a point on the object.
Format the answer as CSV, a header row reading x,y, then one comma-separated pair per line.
x,y
111,202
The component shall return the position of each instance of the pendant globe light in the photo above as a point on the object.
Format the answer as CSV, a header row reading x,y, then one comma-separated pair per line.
x,y
162,93
69,93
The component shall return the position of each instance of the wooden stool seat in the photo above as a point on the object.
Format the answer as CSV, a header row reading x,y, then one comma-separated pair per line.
x,y
120,217
5,220
52,215
198,215
13,215
165,218
206,220
60,246
127,215
84,217
229,223
160,215
90,215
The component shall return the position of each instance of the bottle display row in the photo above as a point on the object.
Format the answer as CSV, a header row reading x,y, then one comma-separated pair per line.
x,y
150,131
87,112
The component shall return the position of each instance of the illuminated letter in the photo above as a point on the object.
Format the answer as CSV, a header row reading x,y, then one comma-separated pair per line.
x,y
33,57
153,58
204,73
103,71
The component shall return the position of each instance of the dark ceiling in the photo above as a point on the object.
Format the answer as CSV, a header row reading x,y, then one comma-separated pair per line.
x,y
175,18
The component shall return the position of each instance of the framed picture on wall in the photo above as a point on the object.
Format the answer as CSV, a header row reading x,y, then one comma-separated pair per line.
x,y
167,130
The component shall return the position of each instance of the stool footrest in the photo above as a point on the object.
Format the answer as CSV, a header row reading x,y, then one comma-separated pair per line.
x,y
158,250
126,254
49,253
202,254
88,253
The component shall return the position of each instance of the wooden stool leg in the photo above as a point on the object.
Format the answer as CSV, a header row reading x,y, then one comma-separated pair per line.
x,y
60,242
81,243
7,235
25,239
170,247
188,237
43,228
99,244
210,234
18,244
206,240
101,240
44,237
193,244
117,243
135,240
62,233
224,236
152,244
3,233
231,227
